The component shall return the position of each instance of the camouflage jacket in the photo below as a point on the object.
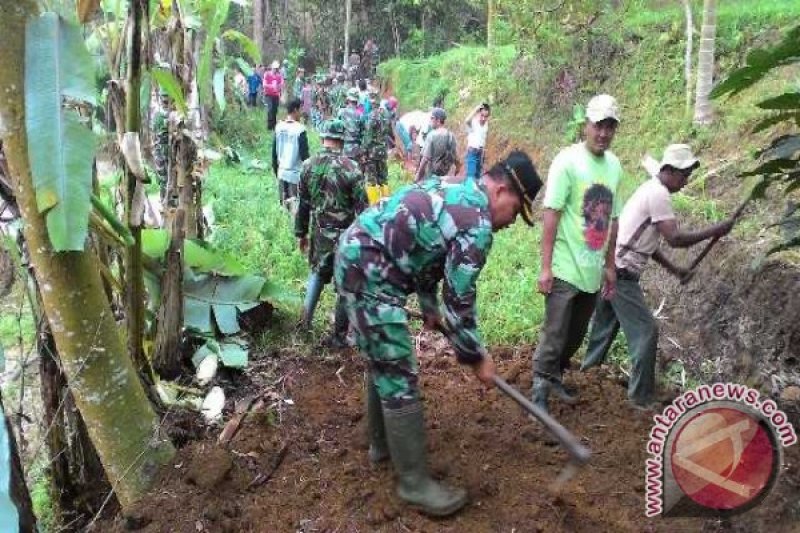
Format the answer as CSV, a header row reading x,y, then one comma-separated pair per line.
x,y
353,125
377,127
421,234
331,193
336,96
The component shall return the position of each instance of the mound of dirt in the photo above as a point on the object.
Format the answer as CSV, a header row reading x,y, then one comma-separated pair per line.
x,y
733,322
304,468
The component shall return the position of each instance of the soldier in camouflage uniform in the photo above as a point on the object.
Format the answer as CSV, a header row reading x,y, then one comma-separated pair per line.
x,y
377,127
336,94
353,126
160,129
423,233
331,193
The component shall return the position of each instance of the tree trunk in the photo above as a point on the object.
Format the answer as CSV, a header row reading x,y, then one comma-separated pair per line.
x,y
101,375
17,490
134,270
78,481
347,13
490,24
703,113
688,57
258,27
167,354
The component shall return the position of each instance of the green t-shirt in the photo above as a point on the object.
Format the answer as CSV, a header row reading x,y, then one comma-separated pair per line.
x,y
584,188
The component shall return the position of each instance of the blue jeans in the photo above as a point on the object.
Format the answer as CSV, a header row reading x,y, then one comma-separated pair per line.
x,y
473,162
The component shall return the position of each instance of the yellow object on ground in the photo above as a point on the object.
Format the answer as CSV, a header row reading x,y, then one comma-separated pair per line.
x,y
373,193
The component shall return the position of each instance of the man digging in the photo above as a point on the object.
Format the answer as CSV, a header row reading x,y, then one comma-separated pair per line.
x,y
645,219
425,232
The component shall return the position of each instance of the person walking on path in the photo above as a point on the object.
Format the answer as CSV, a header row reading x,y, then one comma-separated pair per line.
x,y
331,194
578,237
273,85
477,123
439,153
423,233
377,127
646,218
353,126
299,83
289,150
253,85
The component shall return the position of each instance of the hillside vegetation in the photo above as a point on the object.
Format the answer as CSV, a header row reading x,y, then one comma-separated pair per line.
x,y
641,62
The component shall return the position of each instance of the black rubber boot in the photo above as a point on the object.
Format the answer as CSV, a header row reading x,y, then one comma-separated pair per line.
x,y
540,392
405,432
561,392
376,432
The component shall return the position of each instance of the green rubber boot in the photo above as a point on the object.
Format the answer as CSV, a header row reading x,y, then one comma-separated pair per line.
x,y
376,432
405,431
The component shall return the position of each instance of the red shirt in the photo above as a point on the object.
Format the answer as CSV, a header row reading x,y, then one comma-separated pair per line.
x,y
273,83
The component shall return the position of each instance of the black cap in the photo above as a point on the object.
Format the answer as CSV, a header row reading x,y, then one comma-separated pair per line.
x,y
523,176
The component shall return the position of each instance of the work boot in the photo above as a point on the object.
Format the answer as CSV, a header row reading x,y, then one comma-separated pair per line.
x,y
540,392
376,432
405,432
561,392
314,287
341,325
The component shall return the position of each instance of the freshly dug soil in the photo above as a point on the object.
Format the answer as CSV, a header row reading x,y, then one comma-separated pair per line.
x,y
303,467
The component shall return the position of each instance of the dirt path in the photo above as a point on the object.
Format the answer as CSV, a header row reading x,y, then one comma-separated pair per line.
x,y
477,439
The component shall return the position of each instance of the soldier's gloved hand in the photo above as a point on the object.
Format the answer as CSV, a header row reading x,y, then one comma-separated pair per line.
x,y
485,370
302,243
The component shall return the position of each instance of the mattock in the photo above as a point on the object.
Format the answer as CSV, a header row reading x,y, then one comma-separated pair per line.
x,y
578,453
704,252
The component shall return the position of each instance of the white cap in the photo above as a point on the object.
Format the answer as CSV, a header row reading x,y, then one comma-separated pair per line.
x,y
275,64
679,156
601,107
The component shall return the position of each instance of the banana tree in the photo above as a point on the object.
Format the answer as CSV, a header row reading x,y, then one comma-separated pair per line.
x,y
55,201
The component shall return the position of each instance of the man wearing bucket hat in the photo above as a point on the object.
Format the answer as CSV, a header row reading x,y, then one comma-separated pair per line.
x,y
646,218
578,236
353,126
331,194
425,232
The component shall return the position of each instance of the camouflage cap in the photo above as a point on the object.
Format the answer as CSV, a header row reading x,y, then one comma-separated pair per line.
x,y
352,95
332,129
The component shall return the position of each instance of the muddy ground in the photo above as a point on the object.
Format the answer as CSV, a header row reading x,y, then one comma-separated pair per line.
x,y
319,479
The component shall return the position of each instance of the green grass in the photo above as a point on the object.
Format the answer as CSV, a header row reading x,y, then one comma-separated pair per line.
x,y
251,225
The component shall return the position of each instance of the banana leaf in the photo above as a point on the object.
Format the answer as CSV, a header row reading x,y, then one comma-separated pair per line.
x,y
60,148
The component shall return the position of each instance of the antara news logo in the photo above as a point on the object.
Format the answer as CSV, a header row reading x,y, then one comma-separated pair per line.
x,y
715,451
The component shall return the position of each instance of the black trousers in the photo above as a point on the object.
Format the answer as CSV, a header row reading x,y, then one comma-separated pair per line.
x,y
272,111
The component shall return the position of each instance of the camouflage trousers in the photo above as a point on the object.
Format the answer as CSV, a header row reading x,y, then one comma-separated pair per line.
x,y
376,171
380,325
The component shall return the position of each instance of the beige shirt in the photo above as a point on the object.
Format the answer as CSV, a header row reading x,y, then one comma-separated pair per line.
x,y
638,237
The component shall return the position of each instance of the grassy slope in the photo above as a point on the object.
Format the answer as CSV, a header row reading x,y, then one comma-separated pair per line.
x,y
647,78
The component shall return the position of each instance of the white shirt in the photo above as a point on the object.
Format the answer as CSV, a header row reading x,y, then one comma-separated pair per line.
x,y
638,236
476,134
287,145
